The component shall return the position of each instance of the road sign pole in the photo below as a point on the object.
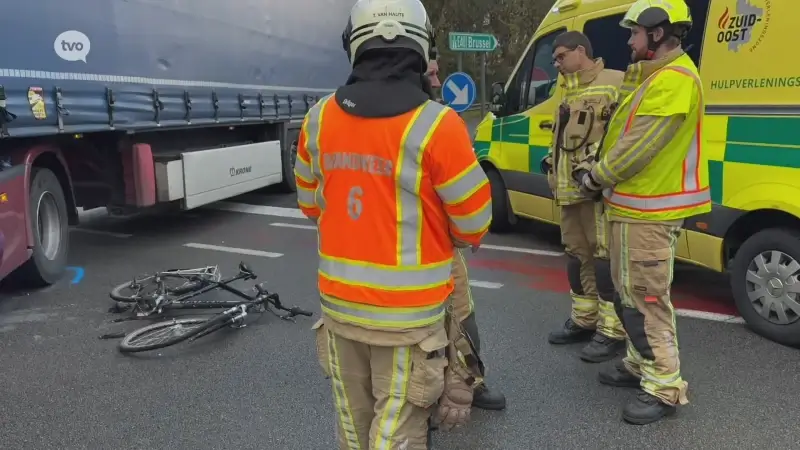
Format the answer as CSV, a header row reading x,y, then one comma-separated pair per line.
x,y
483,84
473,42
460,67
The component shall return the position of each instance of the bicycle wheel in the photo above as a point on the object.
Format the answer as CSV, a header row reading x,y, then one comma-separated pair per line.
x,y
162,334
145,288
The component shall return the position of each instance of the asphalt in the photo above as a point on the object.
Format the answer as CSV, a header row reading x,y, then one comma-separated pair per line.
x,y
260,387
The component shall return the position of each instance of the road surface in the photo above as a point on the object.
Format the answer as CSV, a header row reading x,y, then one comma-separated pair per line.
x,y
261,387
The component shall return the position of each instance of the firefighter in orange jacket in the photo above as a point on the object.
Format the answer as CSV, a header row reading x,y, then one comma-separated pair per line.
x,y
390,178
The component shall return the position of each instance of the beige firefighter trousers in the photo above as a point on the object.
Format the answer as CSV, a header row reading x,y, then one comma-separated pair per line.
x,y
383,396
642,261
584,233
463,304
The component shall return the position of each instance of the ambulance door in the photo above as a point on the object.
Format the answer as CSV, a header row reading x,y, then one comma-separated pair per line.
x,y
532,97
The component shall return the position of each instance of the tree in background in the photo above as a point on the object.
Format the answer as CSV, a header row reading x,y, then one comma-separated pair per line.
x,y
513,22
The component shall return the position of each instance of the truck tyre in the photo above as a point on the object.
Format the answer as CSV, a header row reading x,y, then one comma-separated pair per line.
x,y
764,280
501,216
288,158
50,227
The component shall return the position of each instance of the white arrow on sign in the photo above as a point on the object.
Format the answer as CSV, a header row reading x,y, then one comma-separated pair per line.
x,y
462,94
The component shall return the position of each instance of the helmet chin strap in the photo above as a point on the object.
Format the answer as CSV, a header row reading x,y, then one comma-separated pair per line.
x,y
652,45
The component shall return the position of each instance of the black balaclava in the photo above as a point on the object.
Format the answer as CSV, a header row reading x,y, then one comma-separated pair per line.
x,y
385,83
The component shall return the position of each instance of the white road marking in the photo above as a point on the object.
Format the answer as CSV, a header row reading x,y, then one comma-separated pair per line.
x,y
294,213
101,232
294,225
531,251
709,316
241,251
485,284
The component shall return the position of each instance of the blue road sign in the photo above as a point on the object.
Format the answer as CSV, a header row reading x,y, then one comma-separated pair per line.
x,y
459,91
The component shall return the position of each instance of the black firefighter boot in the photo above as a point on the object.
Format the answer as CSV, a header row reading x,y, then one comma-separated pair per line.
x,y
571,333
485,398
619,376
645,409
431,428
602,348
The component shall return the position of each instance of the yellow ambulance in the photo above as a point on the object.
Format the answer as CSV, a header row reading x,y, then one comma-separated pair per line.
x,y
751,77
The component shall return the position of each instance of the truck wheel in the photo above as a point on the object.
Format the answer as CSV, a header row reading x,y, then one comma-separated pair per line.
x,y
50,227
501,216
764,280
288,158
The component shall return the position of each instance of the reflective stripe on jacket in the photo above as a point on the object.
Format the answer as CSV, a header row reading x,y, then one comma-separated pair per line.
x,y
389,196
674,183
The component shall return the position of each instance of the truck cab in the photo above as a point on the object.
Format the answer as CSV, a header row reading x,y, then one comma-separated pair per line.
x,y
752,114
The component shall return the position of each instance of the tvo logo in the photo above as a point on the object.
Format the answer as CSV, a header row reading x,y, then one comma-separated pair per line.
x,y
72,45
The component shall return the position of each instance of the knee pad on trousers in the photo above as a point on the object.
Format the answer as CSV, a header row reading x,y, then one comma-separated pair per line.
x,y
636,331
574,274
471,328
605,285
618,310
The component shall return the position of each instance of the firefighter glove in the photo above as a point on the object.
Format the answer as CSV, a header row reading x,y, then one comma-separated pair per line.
x,y
578,175
455,404
588,186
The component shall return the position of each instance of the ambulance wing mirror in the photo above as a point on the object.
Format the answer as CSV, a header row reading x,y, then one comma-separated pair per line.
x,y
498,96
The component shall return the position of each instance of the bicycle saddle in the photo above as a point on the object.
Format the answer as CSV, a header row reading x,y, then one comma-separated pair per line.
x,y
244,268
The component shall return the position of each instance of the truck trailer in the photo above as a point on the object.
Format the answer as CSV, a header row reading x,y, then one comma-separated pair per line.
x,y
134,105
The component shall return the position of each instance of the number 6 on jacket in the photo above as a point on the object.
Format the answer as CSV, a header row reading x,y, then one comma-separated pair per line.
x,y
354,205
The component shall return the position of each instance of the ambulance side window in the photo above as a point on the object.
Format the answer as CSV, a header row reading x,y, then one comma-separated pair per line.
x,y
536,76
609,41
694,42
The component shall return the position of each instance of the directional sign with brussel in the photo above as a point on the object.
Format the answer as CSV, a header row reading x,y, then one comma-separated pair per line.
x,y
472,42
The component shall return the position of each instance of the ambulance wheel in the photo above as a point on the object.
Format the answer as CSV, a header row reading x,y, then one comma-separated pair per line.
x,y
764,280
50,227
501,206
288,159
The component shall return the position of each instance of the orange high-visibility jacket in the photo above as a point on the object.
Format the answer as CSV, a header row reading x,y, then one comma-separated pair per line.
x,y
389,195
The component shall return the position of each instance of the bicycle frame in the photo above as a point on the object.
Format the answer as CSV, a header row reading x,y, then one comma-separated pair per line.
x,y
210,285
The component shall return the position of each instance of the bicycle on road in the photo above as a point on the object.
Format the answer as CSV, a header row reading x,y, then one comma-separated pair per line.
x,y
195,283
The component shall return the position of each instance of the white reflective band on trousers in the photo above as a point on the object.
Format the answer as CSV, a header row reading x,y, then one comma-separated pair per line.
x,y
690,194
409,273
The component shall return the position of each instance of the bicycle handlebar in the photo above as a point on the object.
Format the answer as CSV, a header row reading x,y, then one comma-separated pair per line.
x,y
300,312
275,301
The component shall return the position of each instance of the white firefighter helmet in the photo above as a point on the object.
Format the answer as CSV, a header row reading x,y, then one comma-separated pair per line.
x,y
377,24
